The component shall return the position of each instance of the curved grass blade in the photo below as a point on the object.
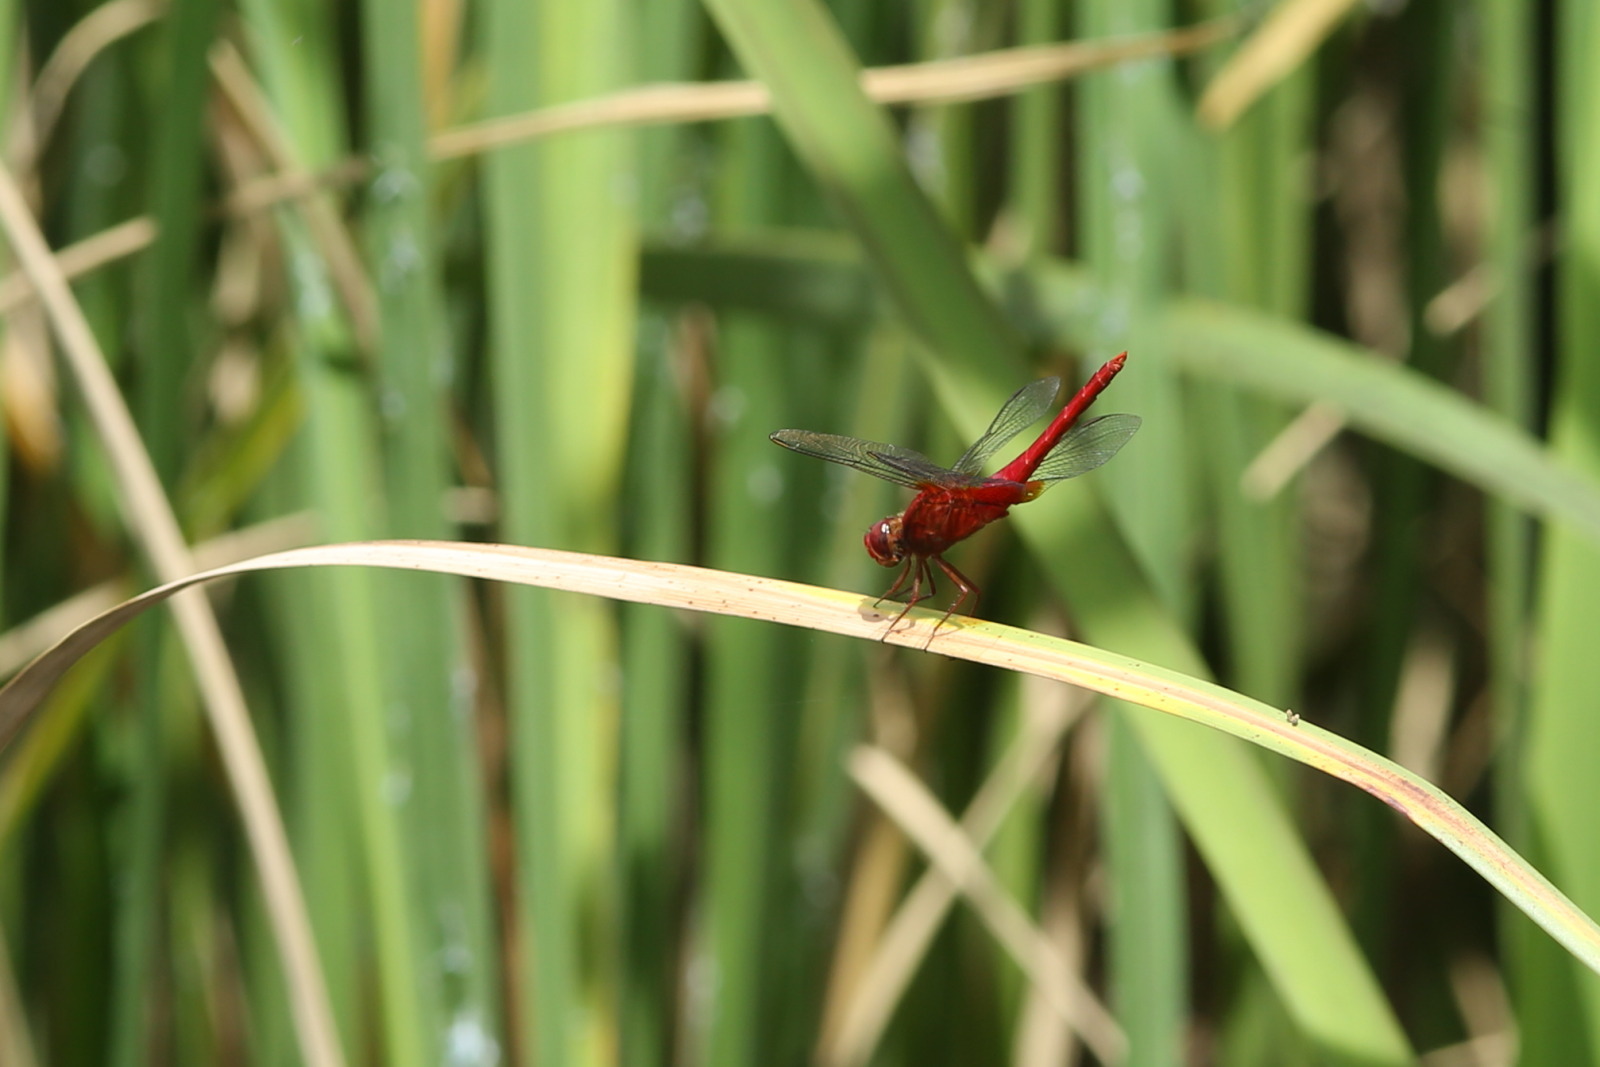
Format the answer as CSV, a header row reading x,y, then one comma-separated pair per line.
x,y
841,612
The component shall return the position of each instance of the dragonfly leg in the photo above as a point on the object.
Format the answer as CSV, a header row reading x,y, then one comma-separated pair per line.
x,y
900,580
918,570
966,585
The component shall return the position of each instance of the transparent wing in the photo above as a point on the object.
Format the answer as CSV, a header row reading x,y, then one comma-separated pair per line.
x,y
889,462
1026,407
926,472
1087,446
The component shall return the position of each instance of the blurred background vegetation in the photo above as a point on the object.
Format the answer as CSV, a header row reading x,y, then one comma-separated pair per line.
x,y
368,270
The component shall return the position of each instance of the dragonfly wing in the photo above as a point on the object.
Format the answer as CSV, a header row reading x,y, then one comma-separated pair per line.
x,y
889,462
1026,407
1086,446
925,472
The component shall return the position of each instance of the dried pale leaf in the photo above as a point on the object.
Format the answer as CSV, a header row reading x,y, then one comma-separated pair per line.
x,y
1293,30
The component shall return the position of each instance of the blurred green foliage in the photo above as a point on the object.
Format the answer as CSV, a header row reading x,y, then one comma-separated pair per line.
x,y
534,828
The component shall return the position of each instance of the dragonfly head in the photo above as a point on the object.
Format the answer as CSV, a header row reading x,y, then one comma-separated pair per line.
x,y
884,543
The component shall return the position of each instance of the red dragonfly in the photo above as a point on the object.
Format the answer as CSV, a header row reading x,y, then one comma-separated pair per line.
x,y
953,503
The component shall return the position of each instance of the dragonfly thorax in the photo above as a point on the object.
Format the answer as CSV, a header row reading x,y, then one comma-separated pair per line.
x,y
884,542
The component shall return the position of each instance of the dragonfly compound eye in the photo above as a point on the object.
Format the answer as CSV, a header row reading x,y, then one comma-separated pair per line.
x,y
883,541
